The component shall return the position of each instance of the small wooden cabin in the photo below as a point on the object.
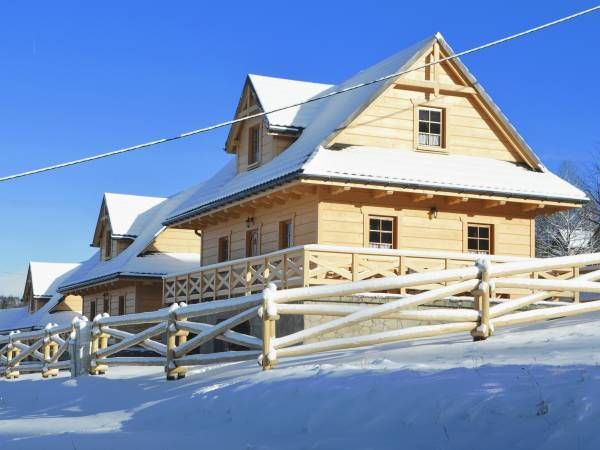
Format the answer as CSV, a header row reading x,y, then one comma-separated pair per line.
x,y
134,252
43,279
399,176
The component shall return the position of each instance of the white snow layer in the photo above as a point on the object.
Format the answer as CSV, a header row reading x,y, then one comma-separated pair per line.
x,y
525,388
126,212
47,276
274,93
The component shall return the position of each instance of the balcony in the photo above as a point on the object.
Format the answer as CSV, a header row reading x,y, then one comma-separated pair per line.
x,y
313,265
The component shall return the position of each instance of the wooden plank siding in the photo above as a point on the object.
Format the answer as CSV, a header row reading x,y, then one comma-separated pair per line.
x,y
271,144
140,296
173,240
343,220
302,211
389,121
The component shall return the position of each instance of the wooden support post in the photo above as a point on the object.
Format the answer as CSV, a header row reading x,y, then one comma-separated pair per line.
x,y
482,295
268,313
12,368
175,337
576,293
49,349
99,341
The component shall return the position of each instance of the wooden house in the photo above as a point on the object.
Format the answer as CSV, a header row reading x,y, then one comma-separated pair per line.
x,y
43,279
134,251
42,303
417,172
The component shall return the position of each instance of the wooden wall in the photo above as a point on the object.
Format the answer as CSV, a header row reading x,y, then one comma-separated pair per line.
x,y
173,240
271,144
390,121
343,220
70,303
302,211
140,296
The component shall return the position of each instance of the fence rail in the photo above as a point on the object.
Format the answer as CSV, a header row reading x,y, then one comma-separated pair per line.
x,y
172,337
316,265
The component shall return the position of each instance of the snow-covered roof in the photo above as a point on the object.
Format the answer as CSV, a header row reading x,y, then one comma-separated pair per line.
x,y
307,157
129,263
47,276
457,173
274,93
331,114
126,212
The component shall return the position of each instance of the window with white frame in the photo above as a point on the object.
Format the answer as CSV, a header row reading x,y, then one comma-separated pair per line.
x,y
381,232
430,127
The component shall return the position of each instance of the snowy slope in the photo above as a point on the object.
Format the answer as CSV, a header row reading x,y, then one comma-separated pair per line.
x,y
537,387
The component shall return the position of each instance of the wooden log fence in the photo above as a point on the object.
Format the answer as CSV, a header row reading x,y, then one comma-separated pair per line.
x,y
177,337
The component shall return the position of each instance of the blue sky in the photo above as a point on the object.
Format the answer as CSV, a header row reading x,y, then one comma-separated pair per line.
x,y
79,78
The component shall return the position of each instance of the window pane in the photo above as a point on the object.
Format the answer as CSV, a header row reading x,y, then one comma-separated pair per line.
x,y
434,140
423,114
484,232
473,245
434,128
423,127
484,244
387,225
373,237
423,139
386,238
375,224
472,231
435,116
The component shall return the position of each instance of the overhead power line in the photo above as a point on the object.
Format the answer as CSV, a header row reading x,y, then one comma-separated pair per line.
x,y
294,105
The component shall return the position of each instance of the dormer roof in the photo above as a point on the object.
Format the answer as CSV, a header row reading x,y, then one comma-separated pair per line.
x,y
125,214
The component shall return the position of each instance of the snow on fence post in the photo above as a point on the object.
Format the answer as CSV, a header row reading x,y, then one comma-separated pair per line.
x,y
12,370
79,346
99,341
48,349
175,337
481,296
269,316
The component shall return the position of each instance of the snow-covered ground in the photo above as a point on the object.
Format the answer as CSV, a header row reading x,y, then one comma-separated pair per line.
x,y
527,388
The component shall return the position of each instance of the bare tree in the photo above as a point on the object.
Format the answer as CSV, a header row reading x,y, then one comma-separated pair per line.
x,y
572,231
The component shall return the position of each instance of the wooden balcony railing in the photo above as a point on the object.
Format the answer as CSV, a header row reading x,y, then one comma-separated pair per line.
x,y
312,265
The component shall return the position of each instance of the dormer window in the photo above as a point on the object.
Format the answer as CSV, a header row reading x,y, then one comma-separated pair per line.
x,y
430,127
253,145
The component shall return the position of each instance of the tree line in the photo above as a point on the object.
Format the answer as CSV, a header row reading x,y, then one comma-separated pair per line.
x,y
577,230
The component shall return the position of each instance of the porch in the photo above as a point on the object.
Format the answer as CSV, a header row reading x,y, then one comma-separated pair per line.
x,y
314,265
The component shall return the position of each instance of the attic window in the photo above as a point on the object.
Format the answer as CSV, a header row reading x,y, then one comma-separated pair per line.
x,y
253,145
430,127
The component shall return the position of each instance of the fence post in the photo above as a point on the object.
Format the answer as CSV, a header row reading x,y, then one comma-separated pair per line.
x,y
174,337
481,297
268,314
99,341
49,350
12,370
79,346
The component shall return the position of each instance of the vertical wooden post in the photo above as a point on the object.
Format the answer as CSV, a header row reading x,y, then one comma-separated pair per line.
x,y
99,341
482,301
402,270
305,268
576,293
268,313
49,349
354,266
175,337
12,370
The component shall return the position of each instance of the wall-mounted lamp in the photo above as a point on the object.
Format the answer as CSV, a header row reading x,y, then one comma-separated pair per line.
x,y
249,221
433,211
